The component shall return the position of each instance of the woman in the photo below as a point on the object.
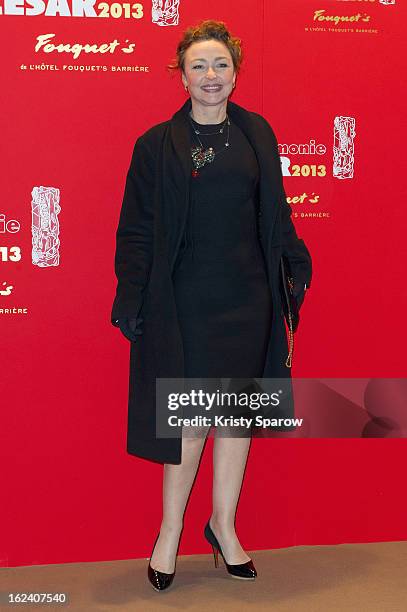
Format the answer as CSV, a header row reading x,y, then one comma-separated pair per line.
x,y
203,224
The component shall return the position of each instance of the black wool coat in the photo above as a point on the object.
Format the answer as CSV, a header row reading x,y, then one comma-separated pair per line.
x,y
149,233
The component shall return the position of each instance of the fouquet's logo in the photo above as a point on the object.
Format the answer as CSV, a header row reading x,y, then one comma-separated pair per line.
x,y
47,46
321,15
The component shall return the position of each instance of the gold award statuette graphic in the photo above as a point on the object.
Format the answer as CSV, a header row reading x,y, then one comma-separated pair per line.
x,y
45,226
165,13
343,148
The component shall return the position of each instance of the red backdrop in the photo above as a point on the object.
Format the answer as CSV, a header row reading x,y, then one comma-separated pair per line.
x,y
70,490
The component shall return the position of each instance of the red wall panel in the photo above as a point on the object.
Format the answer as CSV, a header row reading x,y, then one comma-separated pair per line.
x,y
70,490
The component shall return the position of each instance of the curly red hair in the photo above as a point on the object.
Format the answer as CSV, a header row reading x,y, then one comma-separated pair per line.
x,y
209,29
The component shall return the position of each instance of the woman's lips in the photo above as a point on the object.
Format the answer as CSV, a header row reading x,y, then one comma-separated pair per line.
x,y
211,88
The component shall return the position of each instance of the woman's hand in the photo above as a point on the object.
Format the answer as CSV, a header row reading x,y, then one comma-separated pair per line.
x,y
130,327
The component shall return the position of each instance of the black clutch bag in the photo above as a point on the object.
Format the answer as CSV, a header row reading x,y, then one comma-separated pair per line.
x,y
289,304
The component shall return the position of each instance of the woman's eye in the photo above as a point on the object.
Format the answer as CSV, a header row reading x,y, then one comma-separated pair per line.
x,y
197,66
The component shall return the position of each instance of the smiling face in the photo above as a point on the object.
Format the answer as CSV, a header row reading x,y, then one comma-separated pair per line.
x,y
209,72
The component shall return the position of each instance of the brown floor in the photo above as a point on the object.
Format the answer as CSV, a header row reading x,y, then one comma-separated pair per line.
x,y
355,577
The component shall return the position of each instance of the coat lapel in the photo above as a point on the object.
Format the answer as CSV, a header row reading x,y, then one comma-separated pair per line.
x,y
180,136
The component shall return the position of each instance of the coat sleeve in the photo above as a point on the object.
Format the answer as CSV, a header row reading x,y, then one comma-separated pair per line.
x,y
294,247
134,235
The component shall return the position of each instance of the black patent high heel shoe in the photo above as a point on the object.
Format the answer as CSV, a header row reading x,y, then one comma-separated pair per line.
x,y
245,571
159,580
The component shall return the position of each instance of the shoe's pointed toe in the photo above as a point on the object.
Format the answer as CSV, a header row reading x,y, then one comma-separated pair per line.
x,y
159,580
247,571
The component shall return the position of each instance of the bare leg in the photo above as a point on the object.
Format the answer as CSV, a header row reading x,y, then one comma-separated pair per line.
x,y
229,460
177,484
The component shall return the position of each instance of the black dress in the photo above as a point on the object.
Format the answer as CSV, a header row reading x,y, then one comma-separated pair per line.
x,y
221,289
